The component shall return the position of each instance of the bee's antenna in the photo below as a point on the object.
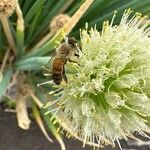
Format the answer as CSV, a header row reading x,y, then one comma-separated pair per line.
x,y
47,82
43,67
79,49
66,39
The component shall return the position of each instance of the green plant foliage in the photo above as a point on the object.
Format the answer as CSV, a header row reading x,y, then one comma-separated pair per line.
x,y
37,15
5,82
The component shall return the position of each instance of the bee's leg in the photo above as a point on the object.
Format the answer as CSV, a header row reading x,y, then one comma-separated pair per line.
x,y
46,71
77,55
73,61
64,75
43,67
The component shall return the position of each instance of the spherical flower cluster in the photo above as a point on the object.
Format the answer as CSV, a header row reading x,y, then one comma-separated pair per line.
x,y
58,22
108,96
7,7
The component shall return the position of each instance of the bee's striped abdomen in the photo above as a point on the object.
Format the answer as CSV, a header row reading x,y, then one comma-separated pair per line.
x,y
57,70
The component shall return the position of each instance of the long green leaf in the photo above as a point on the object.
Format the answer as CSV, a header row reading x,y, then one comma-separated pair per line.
x,y
27,5
33,25
47,9
47,19
33,63
5,82
1,37
34,10
107,14
73,8
53,129
133,4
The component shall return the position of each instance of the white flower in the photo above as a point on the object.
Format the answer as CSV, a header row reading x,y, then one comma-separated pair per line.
x,y
108,98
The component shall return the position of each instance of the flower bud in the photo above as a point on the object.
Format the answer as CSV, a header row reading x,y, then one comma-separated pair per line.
x,y
7,7
58,22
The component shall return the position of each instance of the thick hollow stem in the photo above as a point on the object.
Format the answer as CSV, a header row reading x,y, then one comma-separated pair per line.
x,y
8,33
36,100
20,30
75,18
20,20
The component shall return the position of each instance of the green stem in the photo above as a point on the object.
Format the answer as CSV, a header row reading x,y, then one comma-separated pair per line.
x,y
20,31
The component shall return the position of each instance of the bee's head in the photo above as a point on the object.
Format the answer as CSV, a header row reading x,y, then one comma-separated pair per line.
x,y
72,42
75,45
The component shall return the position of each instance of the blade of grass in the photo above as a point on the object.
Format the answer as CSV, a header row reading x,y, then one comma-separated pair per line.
x,y
34,9
107,16
33,25
5,82
46,21
33,63
27,5
20,2
39,121
36,100
2,39
47,8
53,129
74,7
6,56
66,29
99,7
143,8
132,4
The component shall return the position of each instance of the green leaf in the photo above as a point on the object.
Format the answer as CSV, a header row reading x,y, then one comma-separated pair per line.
x,y
5,82
73,8
98,13
48,6
53,129
34,10
27,5
1,36
45,22
33,63
48,47
33,25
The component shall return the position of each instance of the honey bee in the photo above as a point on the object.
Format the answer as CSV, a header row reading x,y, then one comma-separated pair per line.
x,y
62,55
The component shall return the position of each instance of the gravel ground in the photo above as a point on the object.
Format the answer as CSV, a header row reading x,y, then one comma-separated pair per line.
x,y
14,138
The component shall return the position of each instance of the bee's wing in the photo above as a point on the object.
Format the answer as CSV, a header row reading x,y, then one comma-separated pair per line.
x,y
47,69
